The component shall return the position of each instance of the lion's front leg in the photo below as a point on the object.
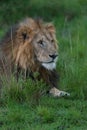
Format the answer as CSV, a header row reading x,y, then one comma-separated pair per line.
x,y
58,93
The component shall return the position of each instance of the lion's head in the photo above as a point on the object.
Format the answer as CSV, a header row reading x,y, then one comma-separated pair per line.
x,y
34,42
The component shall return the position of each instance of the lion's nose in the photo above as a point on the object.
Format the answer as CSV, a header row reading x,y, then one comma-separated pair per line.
x,y
53,56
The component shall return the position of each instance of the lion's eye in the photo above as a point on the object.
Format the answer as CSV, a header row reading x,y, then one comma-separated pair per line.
x,y
52,40
41,43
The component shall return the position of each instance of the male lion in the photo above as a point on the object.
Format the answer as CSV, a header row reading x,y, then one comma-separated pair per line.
x,y
31,46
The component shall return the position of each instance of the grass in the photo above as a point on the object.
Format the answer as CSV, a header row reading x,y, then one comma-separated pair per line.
x,y
13,10
22,109
72,62
50,114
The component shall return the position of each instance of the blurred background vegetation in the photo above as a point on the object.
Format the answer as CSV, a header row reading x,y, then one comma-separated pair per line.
x,y
13,10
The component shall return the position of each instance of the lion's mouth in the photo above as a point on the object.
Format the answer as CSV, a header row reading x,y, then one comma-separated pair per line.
x,y
49,66
49,62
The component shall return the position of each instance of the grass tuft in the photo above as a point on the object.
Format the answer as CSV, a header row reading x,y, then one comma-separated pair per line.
x,y
22,91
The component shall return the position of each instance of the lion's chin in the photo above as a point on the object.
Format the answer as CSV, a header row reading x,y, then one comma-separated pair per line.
x,y
49,66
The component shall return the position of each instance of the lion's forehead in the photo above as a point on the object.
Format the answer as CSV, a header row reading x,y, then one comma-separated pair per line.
x,y
51,39
45,35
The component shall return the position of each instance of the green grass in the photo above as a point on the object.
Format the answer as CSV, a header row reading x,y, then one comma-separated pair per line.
x,y
12,10
28,108
50,114
72,61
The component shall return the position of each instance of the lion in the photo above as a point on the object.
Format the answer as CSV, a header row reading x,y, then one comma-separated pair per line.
x,y
31,45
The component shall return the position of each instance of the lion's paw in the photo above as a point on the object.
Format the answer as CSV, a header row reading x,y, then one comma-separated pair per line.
x,y
57,93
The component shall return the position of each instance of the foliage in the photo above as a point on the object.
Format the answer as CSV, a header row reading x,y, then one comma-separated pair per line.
x,y
28,90
14,10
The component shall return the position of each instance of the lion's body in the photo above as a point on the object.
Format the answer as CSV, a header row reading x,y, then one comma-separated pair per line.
x,y
30,46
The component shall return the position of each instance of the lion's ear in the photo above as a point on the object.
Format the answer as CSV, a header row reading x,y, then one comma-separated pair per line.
x,y
50,27
24,35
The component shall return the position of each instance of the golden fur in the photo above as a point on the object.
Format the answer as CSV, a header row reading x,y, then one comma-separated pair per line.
x,y
31,46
